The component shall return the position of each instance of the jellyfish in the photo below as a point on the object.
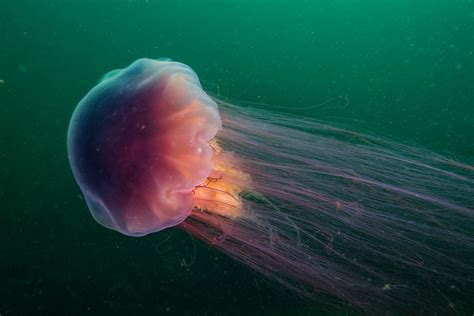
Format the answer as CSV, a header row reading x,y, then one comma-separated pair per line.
x,y
373,223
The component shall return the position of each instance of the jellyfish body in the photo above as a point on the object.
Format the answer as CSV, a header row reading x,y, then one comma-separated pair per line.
x,y
319,209
138,145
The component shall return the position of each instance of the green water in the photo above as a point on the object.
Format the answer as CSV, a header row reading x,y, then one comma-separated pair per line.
x,y
407,68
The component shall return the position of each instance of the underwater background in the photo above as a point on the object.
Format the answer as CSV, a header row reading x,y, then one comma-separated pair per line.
x,y
407,68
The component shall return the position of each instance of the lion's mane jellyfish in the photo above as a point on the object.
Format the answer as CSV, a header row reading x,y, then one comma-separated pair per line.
x,y
320,209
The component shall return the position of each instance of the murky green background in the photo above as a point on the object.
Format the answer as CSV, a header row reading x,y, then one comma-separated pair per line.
x,y
407,68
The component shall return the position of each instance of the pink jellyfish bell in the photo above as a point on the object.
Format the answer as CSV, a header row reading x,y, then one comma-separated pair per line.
x,y
139,145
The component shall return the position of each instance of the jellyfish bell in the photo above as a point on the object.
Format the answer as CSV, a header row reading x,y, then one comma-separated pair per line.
x,y
139,146
374,223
